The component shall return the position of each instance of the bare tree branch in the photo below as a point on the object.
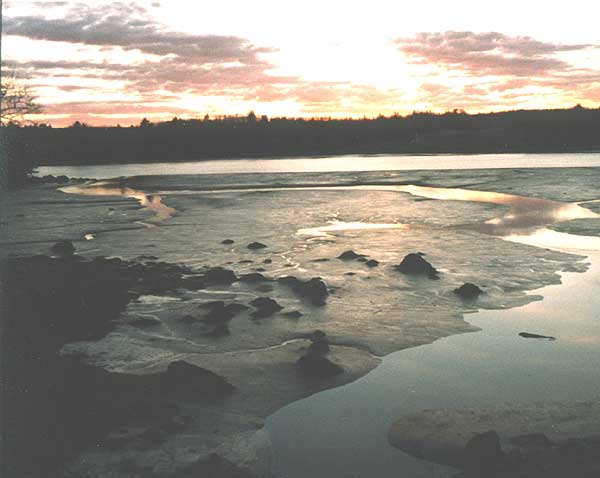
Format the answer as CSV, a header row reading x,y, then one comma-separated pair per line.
x,y
16,100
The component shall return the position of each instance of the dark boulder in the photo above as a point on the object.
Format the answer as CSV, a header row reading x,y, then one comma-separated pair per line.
x,y
193,282
320,344
349,256
482,454
253,278
414,264
313,289
316,365
227,241
265,307
527,335
372,263
256,245
219,275
63,249
468,291
267,261
219,313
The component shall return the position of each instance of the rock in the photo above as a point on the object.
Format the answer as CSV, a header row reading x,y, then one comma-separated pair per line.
x,y
246,261
264,288
314,289
253,278
193,282
212,304
219,330
349,256
483,454
260,269
527,335
372,263
349,273
265,306
219,275
468,291
256,245
188,319
63,249
293,314
219,313
318,366
227,241
267,261
532,445
322,259
320,344
414,264
211,466
185,378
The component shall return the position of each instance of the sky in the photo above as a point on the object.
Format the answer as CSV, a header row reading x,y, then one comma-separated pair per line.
x,y
106,63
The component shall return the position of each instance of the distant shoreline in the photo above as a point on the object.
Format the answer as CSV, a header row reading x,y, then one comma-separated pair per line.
x,y
512,132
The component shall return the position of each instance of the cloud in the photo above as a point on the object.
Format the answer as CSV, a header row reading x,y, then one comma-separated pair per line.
x,y
174,62
487,53
130,27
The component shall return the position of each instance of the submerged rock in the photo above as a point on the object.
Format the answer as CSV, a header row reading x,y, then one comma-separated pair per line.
x,y
414,264
313,289
468,291
256,245
527,335
372,263
63,249
265,307
227,241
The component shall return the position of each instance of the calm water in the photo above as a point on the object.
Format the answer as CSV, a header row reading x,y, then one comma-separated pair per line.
x,y
329,164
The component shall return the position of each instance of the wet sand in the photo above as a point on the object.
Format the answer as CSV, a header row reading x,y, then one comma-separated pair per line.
x,y
369,310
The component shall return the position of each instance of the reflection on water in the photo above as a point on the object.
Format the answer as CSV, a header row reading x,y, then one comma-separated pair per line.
x,y
398,162
150,202
524,213
525,222
338,226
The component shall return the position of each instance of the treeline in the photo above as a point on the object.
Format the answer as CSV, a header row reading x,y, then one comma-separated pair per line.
x,y
575,129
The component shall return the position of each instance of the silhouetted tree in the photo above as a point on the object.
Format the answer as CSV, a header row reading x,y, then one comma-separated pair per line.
x,y
16,102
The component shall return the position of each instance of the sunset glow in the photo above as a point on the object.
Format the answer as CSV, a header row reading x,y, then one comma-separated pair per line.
x,y
108,63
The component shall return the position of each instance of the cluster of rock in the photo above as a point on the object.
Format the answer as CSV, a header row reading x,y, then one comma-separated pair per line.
x,y
314,363
530,455
353,256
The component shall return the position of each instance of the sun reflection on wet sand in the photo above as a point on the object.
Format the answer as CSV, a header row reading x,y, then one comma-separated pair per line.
x,y
147,201
526,221
339,226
